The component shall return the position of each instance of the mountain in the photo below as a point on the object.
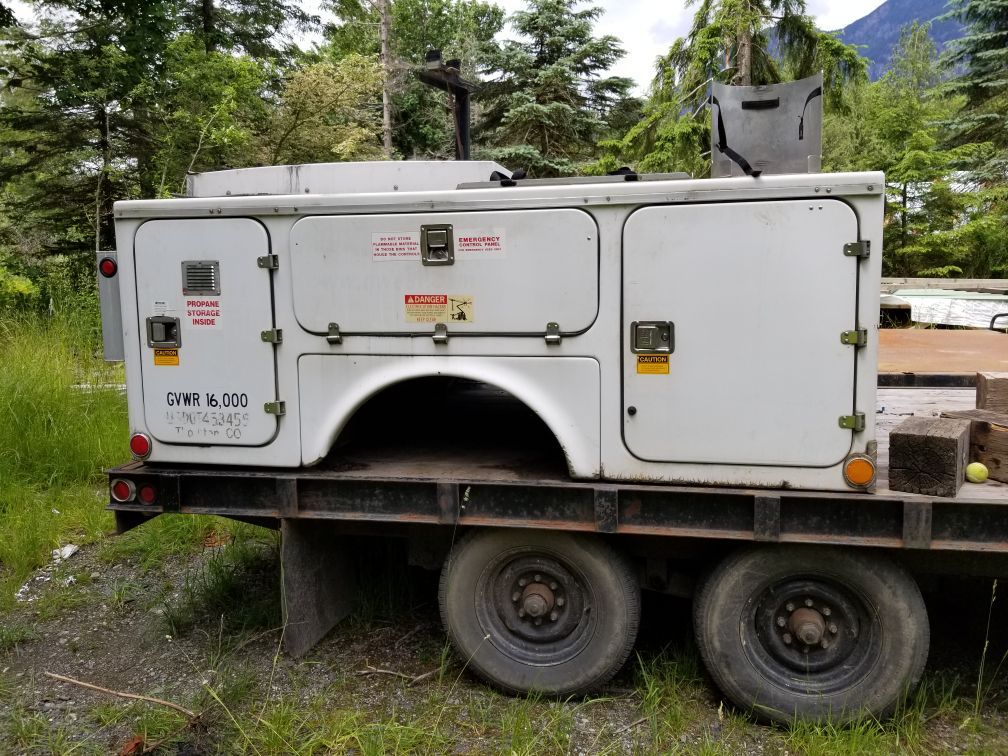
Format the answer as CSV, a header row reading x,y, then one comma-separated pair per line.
x,y
878,33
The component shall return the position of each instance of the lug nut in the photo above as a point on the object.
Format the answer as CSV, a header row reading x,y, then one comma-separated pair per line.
x,y
522,582
833,628
825,644
560,601
808,602
789,606
781,622
787,638
538,620
553,586
554,616
515,596
825,611
538,578
521,612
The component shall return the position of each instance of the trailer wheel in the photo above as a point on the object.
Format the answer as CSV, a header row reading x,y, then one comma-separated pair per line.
x,y
813,633
528,610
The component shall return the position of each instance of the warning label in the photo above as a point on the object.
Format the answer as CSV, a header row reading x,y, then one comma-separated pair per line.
x,y
166,357
387,246
203,313
652,364
479,244
438,308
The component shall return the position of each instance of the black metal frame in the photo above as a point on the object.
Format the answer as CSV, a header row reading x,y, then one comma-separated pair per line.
x,y
885,520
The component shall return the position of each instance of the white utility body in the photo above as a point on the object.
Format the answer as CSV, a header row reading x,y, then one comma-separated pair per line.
x,y
665,329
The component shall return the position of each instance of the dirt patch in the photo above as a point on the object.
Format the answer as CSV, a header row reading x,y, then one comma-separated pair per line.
x,y
385,681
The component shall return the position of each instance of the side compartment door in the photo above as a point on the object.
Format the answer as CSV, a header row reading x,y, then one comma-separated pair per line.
x,y
204,303
732,323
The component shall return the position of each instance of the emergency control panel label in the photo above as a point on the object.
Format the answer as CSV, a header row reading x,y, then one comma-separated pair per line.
x,y
438,308
479,244
652,364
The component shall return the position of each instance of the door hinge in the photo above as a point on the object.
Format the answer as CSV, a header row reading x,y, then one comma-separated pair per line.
x,y
857,249
268,262
553,335
440,333
275,408
858,338
855,422
272,336
334,336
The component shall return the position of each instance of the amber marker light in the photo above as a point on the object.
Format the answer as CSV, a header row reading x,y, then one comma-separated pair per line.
x,y
859,471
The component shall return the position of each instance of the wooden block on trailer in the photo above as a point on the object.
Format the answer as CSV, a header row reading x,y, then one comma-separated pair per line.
x,y
988,440
929,455
992,392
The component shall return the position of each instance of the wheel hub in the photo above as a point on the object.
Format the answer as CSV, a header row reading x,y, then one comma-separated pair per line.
x,y
808,626
537,599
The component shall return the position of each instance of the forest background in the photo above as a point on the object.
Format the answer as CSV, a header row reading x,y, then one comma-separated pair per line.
x,y
102,100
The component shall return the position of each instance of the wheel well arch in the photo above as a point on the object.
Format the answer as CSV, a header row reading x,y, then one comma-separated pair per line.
x,y
541,400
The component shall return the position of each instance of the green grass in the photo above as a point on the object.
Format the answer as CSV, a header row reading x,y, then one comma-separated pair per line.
x,y
55,439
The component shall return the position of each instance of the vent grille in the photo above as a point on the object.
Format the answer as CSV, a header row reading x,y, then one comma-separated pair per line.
x,y
201,277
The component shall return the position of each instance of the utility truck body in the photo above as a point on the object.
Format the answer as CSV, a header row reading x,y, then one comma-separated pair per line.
x,y
556,391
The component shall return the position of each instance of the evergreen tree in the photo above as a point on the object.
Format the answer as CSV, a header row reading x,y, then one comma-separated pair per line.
x,y
259,28
982,56
548,101
740,42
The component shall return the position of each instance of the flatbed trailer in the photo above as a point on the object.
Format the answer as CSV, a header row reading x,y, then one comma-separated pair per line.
x,y
673,534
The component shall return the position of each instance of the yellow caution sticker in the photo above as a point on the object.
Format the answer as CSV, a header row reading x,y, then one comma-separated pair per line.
x,y
438,308
652,364
166,357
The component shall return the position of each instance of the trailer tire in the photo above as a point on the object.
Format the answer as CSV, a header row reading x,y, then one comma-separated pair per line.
x,y
812,633
535,611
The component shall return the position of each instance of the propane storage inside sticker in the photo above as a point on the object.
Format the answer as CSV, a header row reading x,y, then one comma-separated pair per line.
x,y
392,246
653,364
203,313
165,357
438,308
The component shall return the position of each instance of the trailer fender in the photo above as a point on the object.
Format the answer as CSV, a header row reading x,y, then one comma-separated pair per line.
x,y
564,392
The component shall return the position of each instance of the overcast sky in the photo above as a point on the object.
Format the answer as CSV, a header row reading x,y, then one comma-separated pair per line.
x,y
648,27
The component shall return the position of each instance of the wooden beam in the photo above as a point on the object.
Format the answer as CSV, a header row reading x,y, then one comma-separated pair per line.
x,y
992,392
929,455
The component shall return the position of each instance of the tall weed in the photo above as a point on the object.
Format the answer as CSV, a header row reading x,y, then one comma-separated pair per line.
x,y
62,420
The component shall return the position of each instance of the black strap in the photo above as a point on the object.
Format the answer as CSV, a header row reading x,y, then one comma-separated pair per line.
x,y
817,92
724,149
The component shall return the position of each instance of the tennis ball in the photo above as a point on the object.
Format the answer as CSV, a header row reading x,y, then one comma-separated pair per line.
x,y
976,472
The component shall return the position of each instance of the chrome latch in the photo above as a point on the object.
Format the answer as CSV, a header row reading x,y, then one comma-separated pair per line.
x,y
437,244
440,333
163,332
858,338
553,335
334,336
857,249
855,422
652,337
275,408
272,336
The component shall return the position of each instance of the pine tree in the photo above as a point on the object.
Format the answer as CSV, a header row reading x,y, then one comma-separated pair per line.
x,y
548,101
982,56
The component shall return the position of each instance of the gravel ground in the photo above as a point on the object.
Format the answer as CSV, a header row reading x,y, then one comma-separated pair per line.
x,y
110,623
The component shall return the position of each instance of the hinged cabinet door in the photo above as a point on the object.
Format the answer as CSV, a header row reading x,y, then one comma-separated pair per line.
x,y
205,310
732,323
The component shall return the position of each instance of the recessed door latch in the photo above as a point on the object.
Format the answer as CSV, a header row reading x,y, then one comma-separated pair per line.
x,y
163,332
437,244
652,337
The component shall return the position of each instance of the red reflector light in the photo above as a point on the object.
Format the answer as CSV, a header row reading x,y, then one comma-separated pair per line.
x,y
108,267
140,445
122,490
147,494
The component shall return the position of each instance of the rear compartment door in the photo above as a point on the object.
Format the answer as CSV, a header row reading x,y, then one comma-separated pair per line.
x,y
498,272
732,322
204,303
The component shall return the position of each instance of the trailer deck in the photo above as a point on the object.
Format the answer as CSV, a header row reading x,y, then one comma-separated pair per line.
x,y
529,488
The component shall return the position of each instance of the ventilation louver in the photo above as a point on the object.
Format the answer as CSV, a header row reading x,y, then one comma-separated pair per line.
x,y
201,277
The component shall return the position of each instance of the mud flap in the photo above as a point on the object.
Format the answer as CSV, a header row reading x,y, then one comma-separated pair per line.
x,y
318,582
